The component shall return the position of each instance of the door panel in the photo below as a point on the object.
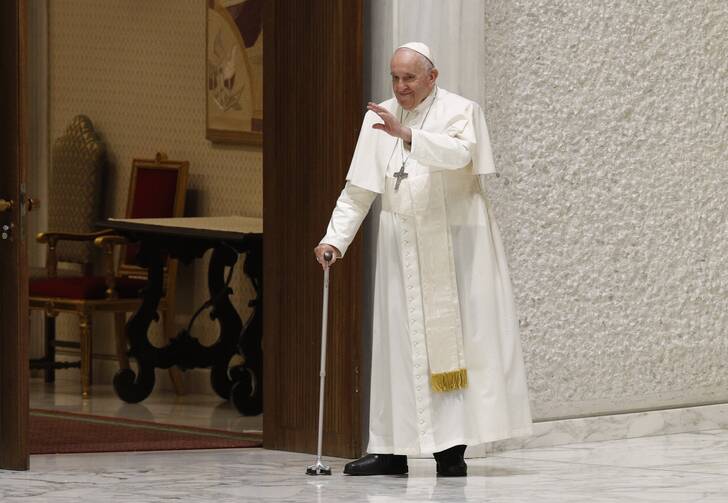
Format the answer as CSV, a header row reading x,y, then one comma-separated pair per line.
x,y
13,250
313,72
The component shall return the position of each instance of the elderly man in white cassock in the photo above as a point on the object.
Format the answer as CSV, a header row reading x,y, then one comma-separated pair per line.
x,y
447,367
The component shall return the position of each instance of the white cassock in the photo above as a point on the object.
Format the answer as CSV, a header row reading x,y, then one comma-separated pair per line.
x,y
437,238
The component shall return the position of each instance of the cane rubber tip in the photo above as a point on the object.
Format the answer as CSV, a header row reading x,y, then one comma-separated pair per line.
x,y
318,471
328,256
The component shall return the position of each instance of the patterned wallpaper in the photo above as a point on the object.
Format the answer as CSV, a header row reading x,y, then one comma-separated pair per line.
x,y
137,69
609,123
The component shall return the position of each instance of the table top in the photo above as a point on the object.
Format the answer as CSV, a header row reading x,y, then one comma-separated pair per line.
x,y
226,227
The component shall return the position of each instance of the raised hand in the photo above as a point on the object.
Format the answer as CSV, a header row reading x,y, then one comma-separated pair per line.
x,y
390,124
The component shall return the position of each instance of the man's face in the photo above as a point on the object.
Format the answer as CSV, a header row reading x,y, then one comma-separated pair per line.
x,y
412,79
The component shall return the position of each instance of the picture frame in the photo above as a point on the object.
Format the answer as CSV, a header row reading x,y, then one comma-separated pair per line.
x,y
234,71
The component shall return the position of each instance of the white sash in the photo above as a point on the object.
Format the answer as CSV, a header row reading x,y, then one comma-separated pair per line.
x,y
429,269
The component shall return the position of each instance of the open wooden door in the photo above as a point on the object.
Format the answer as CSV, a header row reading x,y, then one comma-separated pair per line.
x,y
313,73
13,247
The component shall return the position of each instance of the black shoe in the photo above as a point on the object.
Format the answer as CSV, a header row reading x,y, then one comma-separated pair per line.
x,y
378,464
451,462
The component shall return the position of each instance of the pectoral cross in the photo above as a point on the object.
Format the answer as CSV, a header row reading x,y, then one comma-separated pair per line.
x,y
400,175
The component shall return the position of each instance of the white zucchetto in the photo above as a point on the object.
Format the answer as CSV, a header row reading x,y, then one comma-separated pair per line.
x,y
420,48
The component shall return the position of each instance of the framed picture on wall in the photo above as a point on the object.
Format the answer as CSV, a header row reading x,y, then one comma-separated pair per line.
x,y
235,71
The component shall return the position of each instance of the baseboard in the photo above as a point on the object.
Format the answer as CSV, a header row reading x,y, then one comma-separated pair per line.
x,y
612,427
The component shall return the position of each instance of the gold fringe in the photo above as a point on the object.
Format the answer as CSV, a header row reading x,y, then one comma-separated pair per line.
x,y
449,381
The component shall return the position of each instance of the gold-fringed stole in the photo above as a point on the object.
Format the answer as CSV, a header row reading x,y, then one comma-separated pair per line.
x,y
450,381
437,277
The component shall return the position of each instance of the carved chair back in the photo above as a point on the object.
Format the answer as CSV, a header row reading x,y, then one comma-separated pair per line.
x,y
76,184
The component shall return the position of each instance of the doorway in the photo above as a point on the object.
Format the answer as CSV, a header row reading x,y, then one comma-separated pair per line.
x,y
136,85
295,143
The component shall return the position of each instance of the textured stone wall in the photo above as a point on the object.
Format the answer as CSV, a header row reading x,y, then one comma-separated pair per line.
x,y
609,122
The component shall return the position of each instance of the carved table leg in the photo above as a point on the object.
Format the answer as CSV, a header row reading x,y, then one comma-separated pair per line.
x,y
227,317
247,390
130,387
242,383
120,338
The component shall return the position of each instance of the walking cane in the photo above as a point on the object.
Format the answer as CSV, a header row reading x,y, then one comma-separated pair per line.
x,y
319,468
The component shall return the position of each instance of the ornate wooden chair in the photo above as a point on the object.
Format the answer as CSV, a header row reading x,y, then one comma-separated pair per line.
x,y
157,190
74,200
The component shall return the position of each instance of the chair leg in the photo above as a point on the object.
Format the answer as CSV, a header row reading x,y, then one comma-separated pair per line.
x,y
50,348
121,342
175,374
86,351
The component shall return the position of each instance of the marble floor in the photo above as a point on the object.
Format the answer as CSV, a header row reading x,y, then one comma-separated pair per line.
x,y
684,467
200,410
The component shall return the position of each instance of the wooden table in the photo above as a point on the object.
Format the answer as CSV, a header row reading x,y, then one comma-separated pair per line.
x,y
187,239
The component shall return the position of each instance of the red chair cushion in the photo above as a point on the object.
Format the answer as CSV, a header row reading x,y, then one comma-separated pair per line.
x,y
84,287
